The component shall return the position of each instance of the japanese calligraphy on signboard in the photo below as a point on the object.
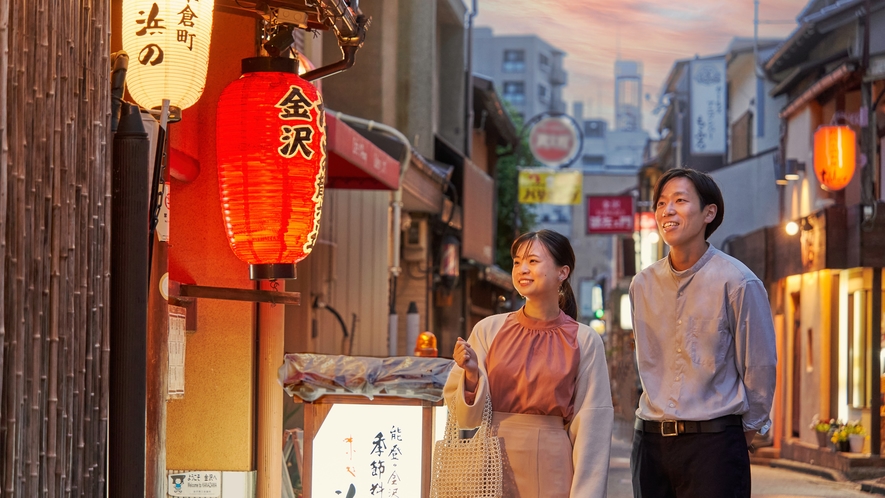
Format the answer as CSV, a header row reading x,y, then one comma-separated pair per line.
x,y
708,106
368,450
168,46
608,214
545,186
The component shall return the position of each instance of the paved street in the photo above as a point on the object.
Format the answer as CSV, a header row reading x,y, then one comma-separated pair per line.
x,y
768,482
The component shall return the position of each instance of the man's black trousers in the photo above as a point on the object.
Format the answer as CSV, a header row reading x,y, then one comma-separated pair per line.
x,y
701,465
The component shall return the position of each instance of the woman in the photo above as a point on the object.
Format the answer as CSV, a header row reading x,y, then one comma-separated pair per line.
x,y
547,377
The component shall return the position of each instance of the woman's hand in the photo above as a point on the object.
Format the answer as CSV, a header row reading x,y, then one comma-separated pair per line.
x,y
465,357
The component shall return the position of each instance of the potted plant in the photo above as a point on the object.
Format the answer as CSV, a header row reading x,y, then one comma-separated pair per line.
x,y
840,437
821,429
856,436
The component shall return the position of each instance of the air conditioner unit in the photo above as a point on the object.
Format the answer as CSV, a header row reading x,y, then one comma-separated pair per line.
x,y
415,240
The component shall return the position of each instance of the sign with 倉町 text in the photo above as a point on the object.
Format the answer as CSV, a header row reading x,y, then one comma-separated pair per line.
x,y
708,106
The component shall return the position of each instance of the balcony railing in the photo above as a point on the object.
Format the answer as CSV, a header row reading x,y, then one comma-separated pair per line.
x,y
558,76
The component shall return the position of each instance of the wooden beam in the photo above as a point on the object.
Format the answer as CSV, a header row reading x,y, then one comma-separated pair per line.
x,y
185,291
876,333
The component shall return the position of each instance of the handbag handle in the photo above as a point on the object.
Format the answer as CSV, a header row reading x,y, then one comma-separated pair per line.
x,y
484,425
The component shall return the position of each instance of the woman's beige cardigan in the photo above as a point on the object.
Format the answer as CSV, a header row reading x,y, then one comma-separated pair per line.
x,y
590,430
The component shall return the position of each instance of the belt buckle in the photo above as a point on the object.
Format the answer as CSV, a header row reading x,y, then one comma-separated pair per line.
x,y
666,424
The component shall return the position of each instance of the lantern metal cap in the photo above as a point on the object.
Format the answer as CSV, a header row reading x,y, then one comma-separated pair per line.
x,y
272,271
174,113
270,65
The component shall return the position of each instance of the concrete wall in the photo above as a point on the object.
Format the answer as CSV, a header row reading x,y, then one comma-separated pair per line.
x,y
744,96
595,256
368,89
211,428
751,197
417,105
450,73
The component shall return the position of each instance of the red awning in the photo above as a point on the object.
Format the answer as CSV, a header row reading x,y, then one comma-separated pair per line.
x,y
355,162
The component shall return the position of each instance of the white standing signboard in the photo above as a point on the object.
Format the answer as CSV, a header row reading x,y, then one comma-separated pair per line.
x,y
708,106
368,450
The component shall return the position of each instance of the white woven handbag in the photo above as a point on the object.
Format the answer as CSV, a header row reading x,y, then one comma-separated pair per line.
x,y
467,468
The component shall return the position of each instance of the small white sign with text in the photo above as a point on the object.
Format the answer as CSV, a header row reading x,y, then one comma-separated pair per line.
x,y
195,483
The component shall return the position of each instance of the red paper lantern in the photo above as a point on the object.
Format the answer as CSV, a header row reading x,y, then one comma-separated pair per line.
x,y
834,156
271,153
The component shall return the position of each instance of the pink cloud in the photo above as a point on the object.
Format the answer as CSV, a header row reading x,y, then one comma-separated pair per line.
x,y
593,33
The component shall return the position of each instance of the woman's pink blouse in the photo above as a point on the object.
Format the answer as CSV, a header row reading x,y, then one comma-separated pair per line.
x,y
532,366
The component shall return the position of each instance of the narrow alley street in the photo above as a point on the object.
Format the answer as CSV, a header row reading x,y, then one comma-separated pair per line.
x,y
768,482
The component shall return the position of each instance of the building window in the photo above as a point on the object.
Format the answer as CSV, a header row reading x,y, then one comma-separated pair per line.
x,y
544,61
593,160
594,129
858,350
514,92
543,93
742,137
514,61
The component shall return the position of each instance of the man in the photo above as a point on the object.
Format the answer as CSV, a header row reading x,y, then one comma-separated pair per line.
x,y
705,349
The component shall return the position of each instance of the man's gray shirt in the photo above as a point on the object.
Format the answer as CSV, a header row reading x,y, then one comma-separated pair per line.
x,y
705,343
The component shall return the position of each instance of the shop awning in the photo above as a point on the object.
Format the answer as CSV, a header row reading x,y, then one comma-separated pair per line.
x,y
355,162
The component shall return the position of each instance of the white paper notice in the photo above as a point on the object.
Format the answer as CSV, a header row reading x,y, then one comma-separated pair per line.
x,y
177,347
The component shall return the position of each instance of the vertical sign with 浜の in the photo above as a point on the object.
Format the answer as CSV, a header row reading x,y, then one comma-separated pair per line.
x,y
168,45
368,450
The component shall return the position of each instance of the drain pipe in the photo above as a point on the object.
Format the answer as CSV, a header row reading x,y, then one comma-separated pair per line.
x,y
396,206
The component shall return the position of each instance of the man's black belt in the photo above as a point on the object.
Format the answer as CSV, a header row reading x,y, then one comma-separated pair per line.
x,y
676,427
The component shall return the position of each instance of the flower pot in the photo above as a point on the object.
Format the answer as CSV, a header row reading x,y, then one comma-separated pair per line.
x,y
843,446
822,439
855,443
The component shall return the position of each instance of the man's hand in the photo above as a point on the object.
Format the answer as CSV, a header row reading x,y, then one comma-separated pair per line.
x,y
750,435
465,358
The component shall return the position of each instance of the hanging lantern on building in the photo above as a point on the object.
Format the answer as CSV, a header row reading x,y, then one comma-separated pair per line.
x,y
271,155
449,260
168,46
834,156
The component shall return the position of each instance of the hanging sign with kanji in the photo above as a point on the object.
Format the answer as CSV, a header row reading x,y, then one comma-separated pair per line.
x,y
545,186
168,46
610,214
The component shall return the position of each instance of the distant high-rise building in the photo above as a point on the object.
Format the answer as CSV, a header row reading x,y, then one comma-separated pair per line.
x,y
578,111
527,71
628,96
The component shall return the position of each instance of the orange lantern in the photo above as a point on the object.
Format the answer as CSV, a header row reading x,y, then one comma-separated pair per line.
x,y
271,153
834,156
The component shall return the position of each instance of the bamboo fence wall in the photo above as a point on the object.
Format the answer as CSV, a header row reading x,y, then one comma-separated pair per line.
x,y
54,246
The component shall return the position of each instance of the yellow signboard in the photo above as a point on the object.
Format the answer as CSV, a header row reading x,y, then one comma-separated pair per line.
x,y
545,186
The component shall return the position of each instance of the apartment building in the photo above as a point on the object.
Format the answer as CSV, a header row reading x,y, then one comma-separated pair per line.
x,y
527,71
